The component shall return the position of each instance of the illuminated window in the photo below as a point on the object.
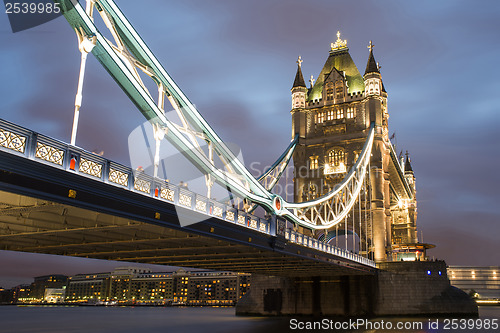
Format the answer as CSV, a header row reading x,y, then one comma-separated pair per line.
x,y
373,87
350,113
339,89
313,163
340,113
320,118
336,157
329,91
329,115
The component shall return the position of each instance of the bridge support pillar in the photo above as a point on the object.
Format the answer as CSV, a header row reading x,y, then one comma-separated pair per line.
x,y
399,288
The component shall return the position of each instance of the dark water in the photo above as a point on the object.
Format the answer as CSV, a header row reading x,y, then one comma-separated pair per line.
x,y
70,319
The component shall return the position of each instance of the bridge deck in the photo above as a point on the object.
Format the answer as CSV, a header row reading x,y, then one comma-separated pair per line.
x,y
49,209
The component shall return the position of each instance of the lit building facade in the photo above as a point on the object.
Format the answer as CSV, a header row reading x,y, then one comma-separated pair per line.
x,y
88,288
482,283
55,295
332,118
131,286
41,283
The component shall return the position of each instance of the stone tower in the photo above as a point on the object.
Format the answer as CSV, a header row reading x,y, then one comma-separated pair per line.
x,y
332,119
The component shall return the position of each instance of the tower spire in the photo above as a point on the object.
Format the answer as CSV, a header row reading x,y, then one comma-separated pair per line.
x,y
299,78
371,65
408,167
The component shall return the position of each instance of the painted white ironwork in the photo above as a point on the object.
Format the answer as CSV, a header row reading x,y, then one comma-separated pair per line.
x,y
184,199
90,167
330,209
118,177
12,141
143,186
48,153
230,216
128,54
167,194
218,211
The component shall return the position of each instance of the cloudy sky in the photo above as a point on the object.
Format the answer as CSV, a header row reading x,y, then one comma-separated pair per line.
x,y
236,61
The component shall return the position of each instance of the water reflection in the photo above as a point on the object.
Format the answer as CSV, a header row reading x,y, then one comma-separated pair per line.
x,y
73,319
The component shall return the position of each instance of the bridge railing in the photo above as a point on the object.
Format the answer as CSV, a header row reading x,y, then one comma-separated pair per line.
x,y
304,240
31,145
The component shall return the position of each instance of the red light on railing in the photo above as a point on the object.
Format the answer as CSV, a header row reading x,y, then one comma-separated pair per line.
x,y
72,164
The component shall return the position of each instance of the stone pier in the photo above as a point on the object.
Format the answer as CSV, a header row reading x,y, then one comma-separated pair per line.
x,y
397,289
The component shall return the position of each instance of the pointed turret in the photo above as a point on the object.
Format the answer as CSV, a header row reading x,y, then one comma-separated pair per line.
x,y
409,175
299,89
408,168
373,79
299,97
371,65
299,78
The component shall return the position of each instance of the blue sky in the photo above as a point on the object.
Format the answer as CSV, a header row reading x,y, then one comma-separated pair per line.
x,y
236,61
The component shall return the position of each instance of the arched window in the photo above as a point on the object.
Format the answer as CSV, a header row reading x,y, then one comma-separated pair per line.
x,y
313,162
329,115
329,91
340,113
339,89
336,157
350,112
320,118
335,162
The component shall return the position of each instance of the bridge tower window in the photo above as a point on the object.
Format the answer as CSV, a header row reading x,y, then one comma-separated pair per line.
x,y
339,90
313,162
336,156
350,113
329,115
320,117
335,162
329,91
340,113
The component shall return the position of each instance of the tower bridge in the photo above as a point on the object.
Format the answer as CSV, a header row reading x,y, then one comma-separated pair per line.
x,y
60,199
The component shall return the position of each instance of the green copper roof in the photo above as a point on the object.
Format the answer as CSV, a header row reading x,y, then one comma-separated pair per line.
x,y
343,62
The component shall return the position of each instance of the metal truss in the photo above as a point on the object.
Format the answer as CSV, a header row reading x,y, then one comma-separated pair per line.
x,y
331,208
128,54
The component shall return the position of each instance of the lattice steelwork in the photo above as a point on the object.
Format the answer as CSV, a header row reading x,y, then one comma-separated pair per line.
x,y
185,200
118,177
167,194
333,207
48,153
273,175
90,167
12,141
230,216
201,205
218,211
128,53
142,185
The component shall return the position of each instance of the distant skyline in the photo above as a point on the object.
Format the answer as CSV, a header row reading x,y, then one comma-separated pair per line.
x,y
236,61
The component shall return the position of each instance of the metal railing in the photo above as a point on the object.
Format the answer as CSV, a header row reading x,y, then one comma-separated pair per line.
x,y
31,145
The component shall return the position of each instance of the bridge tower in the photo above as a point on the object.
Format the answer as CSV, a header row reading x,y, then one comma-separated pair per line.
x,y
333,124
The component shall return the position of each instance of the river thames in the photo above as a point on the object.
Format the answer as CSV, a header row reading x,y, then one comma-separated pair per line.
x,y
93,319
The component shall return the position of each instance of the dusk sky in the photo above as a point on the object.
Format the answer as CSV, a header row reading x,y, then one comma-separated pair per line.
x,y
236,60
